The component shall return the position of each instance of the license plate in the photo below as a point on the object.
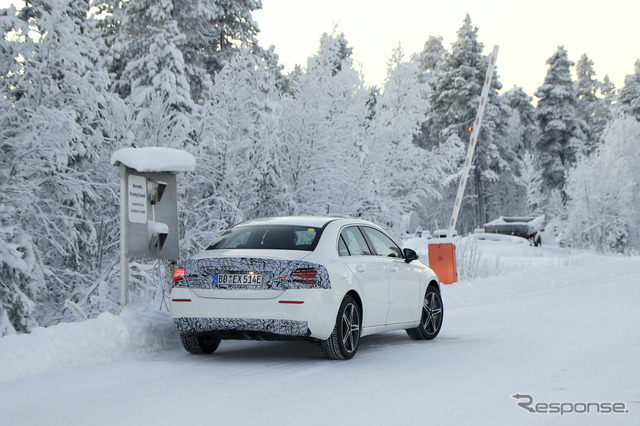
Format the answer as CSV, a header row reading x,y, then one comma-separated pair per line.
x,y
237,278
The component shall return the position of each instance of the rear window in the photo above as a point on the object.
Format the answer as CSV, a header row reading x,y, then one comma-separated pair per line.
x,y
272,237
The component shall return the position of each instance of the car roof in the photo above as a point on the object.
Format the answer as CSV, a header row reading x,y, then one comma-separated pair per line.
x,y
313,221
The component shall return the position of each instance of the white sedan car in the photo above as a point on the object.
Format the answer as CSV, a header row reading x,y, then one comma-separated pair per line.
x,y
327,280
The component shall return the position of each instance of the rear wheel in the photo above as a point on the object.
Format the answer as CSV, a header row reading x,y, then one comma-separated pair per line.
x,y
431,321
199,344
345,338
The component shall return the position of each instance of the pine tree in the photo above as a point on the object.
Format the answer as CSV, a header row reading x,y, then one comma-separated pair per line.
x,y
207,33
593,110
213,32
431,60
454,104
629,96
522,132
608,90
432,54
586,81
525,128
149,35
562,139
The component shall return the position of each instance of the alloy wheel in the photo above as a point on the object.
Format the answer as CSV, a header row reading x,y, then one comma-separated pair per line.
x,y
431,313
350,328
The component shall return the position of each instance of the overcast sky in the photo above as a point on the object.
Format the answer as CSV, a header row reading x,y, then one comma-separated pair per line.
x,y
527,32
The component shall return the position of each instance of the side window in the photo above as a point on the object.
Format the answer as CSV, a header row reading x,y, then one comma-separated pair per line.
x,y
383,245
355,242
342,247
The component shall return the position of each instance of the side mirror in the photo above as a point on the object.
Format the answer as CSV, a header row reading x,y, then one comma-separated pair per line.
x,y
409,255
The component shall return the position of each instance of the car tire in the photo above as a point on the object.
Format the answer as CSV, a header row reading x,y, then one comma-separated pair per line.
x,y
431,319
198,344
345,338
537,240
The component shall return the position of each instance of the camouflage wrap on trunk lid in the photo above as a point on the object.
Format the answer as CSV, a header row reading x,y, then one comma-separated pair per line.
x,y
276,273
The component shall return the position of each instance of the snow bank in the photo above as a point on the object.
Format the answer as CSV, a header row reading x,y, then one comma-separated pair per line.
x,y
154,159
495,267
106,338
541,277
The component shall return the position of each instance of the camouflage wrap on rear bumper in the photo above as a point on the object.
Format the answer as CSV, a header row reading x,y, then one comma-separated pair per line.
x,y
276,273
280,327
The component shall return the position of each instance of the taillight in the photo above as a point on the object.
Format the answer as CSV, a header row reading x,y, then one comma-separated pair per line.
x,y
304,276
178,275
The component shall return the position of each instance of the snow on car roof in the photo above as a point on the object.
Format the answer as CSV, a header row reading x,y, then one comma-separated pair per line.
x,y
154,159
531,220
314,221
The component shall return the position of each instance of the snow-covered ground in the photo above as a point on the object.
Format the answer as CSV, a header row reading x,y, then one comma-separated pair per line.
x,y
559,326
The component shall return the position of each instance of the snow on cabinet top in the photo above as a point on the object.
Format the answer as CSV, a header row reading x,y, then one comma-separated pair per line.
x,y
154,159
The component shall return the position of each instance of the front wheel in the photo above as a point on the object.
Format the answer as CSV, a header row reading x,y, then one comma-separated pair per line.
x,y
199,344
344,340
431,321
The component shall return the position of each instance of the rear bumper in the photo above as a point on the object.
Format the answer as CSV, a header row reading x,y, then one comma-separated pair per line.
x,y
243,328
297,313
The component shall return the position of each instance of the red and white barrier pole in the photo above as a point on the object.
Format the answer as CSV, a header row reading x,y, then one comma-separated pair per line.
x,y
484,97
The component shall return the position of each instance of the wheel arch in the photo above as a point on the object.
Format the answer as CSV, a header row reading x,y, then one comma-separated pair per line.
x,y
353,293
435,284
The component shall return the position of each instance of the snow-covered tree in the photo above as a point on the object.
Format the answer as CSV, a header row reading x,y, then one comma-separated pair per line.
x,y
235,155
58,203
148,39
432,54
207,33
431,60
272,62
629,96
213,31
608,90
454,103
586,79
530,178
604,194
322,134
562,138
406,177
522,124
522,134
592,109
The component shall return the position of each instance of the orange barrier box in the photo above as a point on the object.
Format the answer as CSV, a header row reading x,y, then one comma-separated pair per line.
x,y
442,259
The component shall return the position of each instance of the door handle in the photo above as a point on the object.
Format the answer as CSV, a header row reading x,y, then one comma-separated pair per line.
x,y
359,268
393,268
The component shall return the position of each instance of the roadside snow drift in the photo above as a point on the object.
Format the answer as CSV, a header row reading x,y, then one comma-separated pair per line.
x,y
106,338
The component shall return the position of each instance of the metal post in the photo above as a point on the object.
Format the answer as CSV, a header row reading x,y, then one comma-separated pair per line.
x,y
484,97
124,259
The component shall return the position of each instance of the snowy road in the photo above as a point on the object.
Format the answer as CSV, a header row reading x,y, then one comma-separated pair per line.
x,y
572,340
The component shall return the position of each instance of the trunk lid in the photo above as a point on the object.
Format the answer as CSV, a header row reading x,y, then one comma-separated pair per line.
x,y
221,275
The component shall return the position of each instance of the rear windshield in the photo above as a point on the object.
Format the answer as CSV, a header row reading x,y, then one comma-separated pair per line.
x,y
274,237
